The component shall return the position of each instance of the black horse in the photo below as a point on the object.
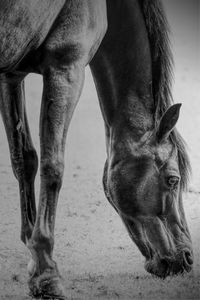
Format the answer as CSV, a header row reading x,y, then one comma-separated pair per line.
x,y
125,42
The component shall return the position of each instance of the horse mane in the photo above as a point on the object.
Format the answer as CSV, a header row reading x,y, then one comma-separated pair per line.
x,y
162,63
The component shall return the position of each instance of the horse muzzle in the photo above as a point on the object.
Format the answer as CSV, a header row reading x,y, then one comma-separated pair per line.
x,y
169,266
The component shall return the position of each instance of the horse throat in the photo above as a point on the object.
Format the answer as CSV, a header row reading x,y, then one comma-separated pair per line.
x,y
122,69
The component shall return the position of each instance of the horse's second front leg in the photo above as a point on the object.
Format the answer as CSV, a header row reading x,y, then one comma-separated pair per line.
x,y
22,153
60,95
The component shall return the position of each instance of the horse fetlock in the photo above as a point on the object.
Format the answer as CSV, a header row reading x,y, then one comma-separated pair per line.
x,y
41,264
26,232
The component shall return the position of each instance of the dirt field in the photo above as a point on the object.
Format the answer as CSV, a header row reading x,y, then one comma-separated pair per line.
x,y
94,252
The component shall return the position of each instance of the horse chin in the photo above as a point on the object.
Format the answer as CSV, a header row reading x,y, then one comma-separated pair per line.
x,y
159,269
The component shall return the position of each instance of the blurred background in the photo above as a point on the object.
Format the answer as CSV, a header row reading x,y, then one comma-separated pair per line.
x,y
94,252
184,19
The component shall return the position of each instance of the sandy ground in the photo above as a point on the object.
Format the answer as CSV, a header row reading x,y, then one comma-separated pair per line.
x,y
94,252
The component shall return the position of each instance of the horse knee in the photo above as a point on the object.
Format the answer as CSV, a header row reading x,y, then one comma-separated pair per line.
x,y
52,173
24,163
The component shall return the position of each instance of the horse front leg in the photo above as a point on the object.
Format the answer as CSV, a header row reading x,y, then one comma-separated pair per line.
x,y
23,155
60,95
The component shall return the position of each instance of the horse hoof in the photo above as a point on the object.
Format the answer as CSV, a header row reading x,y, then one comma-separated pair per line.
x,y
47,286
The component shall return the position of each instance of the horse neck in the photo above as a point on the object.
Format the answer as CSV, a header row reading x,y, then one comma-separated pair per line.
x,y
123,76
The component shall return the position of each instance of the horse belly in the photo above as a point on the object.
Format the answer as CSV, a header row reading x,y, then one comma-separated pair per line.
x,y
24,24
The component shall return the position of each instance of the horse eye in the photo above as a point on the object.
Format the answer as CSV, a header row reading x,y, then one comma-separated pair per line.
x,y
172,181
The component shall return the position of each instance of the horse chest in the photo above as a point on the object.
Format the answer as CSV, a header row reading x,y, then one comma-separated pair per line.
x,y
75,33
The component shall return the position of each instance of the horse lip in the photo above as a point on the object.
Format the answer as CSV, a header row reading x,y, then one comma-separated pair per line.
x,y
159,272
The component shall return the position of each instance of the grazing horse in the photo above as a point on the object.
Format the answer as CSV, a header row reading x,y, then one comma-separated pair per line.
x,y
125,42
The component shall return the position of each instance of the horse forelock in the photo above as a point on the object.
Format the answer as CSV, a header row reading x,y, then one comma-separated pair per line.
x,y
162,62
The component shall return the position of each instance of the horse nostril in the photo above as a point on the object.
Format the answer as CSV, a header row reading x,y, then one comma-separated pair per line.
x,y
188,258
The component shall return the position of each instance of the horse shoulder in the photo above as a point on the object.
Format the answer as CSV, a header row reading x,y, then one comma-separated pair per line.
x,y
76,33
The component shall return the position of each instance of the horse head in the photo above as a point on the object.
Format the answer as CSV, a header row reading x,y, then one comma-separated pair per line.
x,y
146,189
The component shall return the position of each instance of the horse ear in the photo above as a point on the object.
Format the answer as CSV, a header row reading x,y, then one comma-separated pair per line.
x,y
168,122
